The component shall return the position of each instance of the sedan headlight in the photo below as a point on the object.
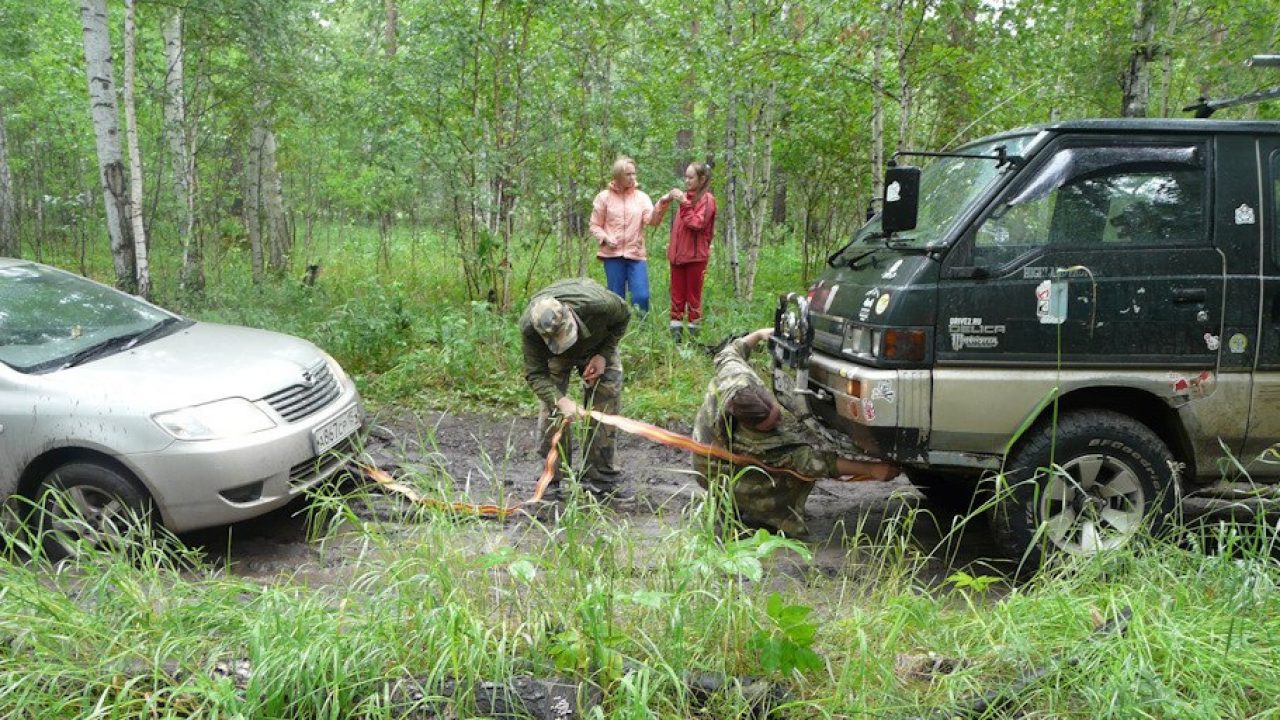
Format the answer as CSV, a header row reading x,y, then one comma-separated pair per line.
x,y
336,370
215,420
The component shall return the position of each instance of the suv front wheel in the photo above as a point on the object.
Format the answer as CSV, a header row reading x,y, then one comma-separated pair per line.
x,y
1093,484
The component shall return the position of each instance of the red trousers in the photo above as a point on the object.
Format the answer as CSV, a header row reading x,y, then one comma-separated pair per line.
x,y
686,291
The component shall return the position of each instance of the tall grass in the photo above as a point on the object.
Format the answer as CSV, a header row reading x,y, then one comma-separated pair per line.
x,y
432,605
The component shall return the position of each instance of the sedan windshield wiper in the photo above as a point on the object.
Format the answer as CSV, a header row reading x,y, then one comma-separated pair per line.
x,y
120,343
160,329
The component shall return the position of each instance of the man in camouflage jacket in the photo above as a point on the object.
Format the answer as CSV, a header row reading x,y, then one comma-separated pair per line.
x,y
576,324
739,414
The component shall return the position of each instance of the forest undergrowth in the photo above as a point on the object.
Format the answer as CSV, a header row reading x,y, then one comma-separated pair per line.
x,y
437,603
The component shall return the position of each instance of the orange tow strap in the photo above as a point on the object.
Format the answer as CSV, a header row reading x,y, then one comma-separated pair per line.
x,y
659,435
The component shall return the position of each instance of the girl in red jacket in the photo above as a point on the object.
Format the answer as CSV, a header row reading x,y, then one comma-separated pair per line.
x,y
690,247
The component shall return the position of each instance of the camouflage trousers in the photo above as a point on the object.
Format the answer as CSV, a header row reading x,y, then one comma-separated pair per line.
x,y
605,395
774,501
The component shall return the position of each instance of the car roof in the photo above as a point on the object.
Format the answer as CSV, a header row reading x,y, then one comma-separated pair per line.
x,y
1147,125
1150,126
11,262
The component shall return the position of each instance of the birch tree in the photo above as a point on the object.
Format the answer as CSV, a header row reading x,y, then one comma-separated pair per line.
x,y
106,129
731,162
265,221
180,151
1135,83
8,232
904,81
877,116
135,156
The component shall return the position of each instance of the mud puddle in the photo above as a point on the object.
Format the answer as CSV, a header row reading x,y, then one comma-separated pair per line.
x,y
487,459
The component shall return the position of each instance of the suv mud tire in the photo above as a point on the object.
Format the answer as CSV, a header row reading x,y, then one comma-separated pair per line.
x,y
1112,479
87,501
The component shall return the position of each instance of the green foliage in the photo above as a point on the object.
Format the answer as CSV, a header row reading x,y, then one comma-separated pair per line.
x,y
786,646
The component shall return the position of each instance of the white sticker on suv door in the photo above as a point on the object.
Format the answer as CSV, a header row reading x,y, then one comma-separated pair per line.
x,y
1245,215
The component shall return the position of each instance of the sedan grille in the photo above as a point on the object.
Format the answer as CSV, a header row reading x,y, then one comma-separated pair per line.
x,y
324,465
301,401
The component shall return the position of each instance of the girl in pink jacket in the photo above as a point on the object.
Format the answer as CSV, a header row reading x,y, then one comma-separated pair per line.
x,y
618,219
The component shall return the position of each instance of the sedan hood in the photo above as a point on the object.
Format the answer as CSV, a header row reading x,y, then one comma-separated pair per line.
x,y
199,364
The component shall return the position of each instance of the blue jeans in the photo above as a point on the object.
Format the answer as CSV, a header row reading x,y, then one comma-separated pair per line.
x,y
621,274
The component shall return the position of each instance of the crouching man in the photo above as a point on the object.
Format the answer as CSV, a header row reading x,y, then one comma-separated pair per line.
x,y
570,325
739,414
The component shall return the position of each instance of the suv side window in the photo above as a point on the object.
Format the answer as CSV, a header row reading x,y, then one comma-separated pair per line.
x,y
1107,196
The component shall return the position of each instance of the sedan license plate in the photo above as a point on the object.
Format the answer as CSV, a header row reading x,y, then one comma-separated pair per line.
x,y
336,430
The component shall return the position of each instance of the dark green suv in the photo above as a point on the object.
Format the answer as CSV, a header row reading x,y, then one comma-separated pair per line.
x,y
1093,307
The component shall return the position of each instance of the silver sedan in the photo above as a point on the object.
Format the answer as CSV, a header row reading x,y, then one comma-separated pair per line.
x,y
127,407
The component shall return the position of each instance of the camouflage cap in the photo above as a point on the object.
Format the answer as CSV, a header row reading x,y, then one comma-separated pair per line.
x,y
555,322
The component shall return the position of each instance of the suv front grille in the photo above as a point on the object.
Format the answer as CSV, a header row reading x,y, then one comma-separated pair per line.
x,y
301,401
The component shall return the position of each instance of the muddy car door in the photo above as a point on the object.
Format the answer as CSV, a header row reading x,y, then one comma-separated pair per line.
x,y
1253,228
1098,256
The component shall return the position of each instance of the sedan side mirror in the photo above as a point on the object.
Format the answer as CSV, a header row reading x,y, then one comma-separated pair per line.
x,y
901,205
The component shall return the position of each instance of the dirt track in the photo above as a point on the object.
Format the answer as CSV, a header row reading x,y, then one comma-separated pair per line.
x,y
495,459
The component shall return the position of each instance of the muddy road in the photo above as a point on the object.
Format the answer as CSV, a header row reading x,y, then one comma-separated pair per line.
x,y
487,459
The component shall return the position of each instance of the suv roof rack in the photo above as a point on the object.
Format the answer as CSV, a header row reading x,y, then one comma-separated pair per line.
x,y
1204,107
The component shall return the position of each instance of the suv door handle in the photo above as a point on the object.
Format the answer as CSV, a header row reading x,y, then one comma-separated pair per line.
x,y
1190,294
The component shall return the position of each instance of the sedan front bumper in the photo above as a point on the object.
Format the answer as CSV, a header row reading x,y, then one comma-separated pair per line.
x,y
217,482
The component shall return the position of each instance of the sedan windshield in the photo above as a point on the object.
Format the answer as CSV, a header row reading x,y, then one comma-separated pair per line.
x,y
50,319
949,186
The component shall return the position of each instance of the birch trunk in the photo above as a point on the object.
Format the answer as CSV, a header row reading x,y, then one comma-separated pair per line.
x,y
1166,53
8,231
184,169
877,118
135,155
904,86
731,166
106,130
1059,84
392,27
253,197
759,183
1136,82
275,226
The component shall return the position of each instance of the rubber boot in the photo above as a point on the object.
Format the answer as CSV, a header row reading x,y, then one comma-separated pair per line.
x,y
677,333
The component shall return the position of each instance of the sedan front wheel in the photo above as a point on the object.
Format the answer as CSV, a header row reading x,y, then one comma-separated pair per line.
x,y
85,503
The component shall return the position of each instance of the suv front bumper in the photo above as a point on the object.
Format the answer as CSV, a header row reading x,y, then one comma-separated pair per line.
x,y
871,405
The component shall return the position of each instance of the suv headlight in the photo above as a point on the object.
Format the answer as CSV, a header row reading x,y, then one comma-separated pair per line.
x,y
215,420
859,340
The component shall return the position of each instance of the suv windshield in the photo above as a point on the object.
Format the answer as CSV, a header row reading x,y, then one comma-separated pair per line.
x,y
50,319
948,186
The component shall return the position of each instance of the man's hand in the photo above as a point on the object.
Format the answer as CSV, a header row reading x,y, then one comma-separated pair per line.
x,y
676,195
867,470
570,409
608,240
593,370
762,334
